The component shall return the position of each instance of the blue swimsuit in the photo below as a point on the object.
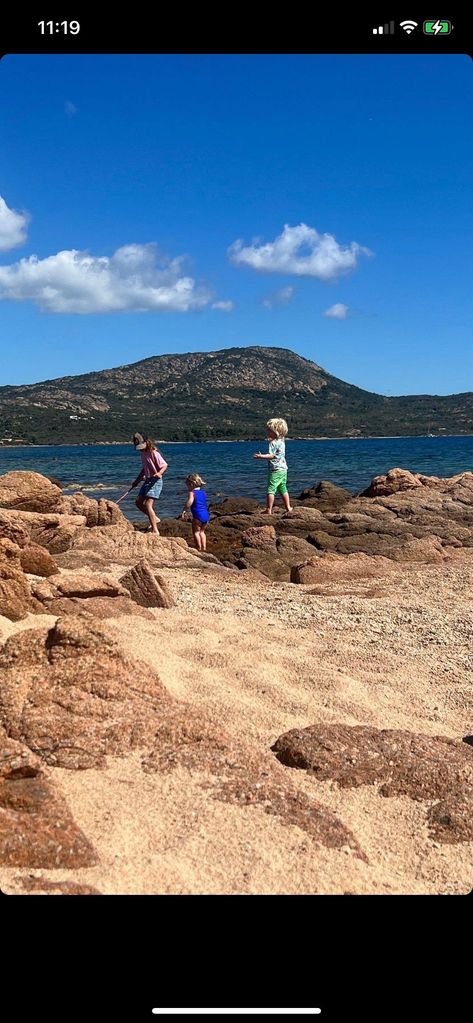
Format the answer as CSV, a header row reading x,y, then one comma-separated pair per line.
x,y
199,506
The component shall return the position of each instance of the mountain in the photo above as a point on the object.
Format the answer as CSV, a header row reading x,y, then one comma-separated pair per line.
x,y
227,394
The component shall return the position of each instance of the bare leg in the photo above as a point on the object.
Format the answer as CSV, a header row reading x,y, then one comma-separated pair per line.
x,y
287,502
148,507
269,504
197,534
203,538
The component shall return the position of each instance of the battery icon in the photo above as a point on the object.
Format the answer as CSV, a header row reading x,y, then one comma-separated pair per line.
x,y
437,28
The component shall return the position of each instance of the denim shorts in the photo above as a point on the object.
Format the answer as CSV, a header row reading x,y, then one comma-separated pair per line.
x,y
152,487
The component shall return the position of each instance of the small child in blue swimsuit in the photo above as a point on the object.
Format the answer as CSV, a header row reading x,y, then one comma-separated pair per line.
x,y
197,504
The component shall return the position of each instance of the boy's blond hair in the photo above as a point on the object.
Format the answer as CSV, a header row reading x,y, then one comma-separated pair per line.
x,y
278,426
194,480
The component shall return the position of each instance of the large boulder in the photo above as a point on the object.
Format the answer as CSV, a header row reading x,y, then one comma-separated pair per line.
x,y
293,549
263,537
400,480
34,559
16,600
97,513
423,767
329,567
393,481
301,521
95,596
28,491
266,561
325,496
78,585
112,544
53,531
72,697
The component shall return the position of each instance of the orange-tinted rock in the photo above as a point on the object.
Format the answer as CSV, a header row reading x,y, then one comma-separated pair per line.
x,y
241,775
28,491
16,760
113,544
394,481
42,886
16,600
402,763
37,829
96,607
263,537
325,496
397,480
78,586
97,513
55,532
146,588
36,560
72,696
330,567
267,562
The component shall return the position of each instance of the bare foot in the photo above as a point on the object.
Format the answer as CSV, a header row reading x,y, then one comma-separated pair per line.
x,y
266,512
155,532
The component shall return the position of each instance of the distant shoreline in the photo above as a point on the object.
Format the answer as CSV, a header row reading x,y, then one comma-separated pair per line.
x,y
238,440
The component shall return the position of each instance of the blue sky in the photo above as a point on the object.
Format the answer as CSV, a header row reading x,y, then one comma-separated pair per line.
x,y
174,184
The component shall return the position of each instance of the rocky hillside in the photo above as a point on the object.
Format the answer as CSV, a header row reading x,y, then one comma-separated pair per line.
x,y
226,394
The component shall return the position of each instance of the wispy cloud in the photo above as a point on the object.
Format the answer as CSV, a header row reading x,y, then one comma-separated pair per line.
x,y
13,227
281,297
339,311
70,108
225,306
301,251
136,278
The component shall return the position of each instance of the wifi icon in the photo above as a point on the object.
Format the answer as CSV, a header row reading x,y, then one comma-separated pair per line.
x,y
409,26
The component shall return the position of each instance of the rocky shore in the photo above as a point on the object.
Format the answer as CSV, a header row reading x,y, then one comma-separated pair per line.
x,y
289,713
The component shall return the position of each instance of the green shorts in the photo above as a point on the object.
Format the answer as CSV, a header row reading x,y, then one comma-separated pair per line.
x,y
277,480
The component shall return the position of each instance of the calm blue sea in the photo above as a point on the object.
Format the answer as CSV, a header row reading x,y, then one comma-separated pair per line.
x,y
230,470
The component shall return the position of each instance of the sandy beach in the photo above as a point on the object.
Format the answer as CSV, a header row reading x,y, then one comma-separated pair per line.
x,y
262,663
201,803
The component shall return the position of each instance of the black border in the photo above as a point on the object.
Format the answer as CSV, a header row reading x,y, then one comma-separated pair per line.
x,y
358,959
232,29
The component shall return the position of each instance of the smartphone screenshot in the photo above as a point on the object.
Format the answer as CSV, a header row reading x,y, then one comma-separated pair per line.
x,y
236,466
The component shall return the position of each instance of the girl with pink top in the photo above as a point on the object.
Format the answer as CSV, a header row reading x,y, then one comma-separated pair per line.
x,y
152,471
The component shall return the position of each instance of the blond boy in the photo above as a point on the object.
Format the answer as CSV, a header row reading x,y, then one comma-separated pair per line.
x,y
277,478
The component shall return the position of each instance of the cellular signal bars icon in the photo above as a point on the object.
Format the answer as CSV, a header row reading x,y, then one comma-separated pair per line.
x,y
384,30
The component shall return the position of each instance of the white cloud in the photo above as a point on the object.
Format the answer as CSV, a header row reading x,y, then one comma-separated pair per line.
x,y
226,306
134,279
301,251
339,311
281,297
13,227
70,108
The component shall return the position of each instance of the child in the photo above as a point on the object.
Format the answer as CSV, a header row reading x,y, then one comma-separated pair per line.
x,y
152,471
277,479
197,503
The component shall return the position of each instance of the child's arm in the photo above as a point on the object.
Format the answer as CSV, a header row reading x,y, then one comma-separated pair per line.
x,y
188,505
259,455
